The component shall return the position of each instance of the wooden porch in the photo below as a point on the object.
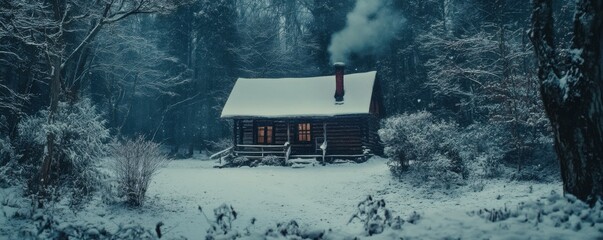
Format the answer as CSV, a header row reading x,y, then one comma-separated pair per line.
x,y
282,151
261,151
346,136
323,139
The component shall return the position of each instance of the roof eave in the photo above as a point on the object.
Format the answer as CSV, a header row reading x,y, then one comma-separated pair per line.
x,y
299,116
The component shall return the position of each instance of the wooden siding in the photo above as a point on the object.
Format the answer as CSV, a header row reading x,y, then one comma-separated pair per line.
x,y
374,142
245,132
345,135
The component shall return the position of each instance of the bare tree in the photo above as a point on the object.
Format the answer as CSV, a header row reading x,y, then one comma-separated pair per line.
x,y
62,31
20,25
572,91
132,66
461,66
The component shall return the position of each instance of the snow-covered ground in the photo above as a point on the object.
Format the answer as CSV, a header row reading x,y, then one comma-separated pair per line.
x,y
324,197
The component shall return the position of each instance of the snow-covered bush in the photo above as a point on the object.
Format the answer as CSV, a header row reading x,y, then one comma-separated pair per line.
x,y
221,227
135,163
375,216
491,154
273,161
554,210
80,136
293,230
45,226
428,147
238,161
484,144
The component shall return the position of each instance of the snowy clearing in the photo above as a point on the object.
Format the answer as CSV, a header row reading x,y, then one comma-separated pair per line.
x,y
323,197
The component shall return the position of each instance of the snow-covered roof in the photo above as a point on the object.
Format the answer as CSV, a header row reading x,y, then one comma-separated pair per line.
x,y
299,97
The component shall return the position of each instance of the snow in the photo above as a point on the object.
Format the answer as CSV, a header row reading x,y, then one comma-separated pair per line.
x,y
294,97
576,55
325,197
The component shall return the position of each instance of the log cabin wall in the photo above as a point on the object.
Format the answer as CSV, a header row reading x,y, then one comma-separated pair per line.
x,y
245,131
374,142
345,135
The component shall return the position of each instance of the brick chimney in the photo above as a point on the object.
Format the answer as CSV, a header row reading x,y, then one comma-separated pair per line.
x,y
339,90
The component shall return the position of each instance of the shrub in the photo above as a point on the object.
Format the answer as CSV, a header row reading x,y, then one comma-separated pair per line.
x,y
45,226
80,136
221,228
293,230
494,154
238,161
430,148
557,210
273,161
135,163
375,216
8,167
485,144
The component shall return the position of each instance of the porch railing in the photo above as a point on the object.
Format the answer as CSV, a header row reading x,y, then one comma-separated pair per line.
x,y
222,153
260,151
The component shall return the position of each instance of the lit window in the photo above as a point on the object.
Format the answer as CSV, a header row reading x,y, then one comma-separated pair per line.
x,y
264,135
261,134
269,135
303,132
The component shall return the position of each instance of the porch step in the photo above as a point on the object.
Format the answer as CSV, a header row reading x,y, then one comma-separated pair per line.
x,y
342,161
297,165
302,162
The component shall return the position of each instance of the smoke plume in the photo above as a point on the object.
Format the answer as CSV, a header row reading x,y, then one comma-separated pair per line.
x,y
370,26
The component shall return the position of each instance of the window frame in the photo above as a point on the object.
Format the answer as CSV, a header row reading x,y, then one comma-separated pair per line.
x,y
265,136
304,132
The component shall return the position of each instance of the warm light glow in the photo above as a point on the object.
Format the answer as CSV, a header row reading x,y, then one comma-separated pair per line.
x,y
303,130
269,135
264,135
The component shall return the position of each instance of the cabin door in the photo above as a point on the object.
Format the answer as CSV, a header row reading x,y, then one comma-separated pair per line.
x,y
264,134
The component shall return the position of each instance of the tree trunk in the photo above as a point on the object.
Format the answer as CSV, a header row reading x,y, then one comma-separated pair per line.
x,y
55,92
56,66
572,94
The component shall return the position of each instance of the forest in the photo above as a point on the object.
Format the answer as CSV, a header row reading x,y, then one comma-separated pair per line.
x,y
475,92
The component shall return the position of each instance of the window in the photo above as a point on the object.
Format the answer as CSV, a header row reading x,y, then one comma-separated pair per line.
x,y
303,132
264,134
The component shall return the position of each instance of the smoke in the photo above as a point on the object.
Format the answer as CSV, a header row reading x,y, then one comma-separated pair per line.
x,y
370,26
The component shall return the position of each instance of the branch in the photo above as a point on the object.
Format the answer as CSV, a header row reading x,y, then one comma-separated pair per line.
x,y
88,37
123,14
11,53
172,106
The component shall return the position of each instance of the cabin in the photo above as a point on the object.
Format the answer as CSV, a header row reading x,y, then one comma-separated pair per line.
x,y
326,117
